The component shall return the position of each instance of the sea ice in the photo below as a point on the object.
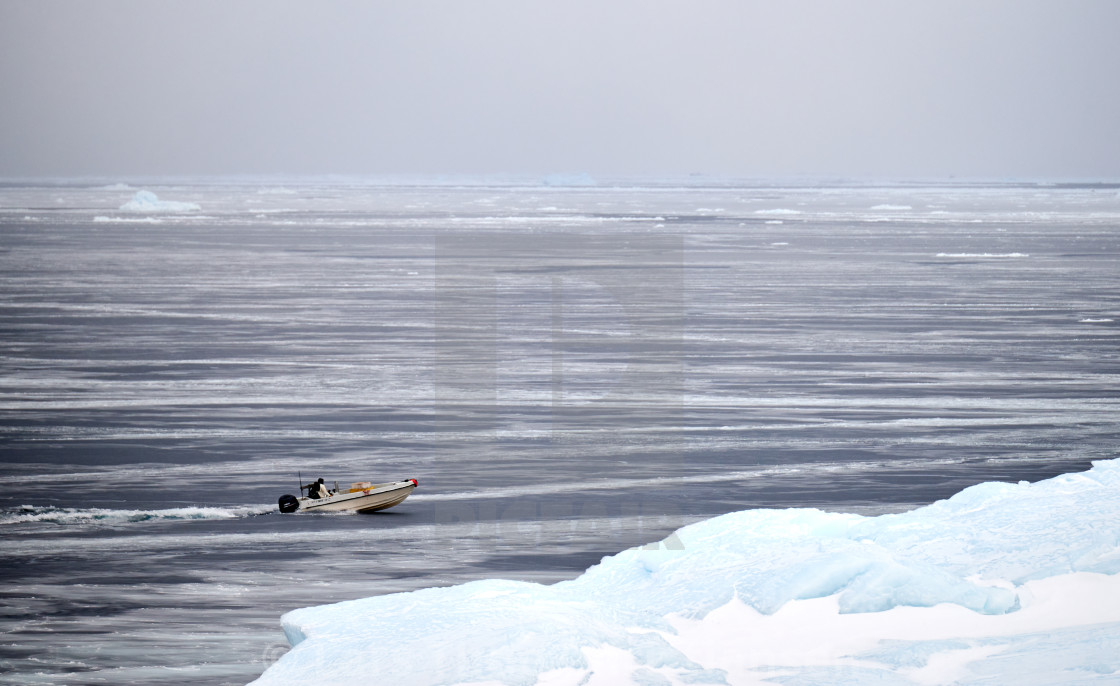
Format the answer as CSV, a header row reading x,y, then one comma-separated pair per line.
x,y
101,219
146,201
1013,582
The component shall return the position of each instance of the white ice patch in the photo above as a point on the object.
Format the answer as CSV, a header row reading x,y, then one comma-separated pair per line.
x,y
146,201
938,644
888,208
100,219
778,211
1013,583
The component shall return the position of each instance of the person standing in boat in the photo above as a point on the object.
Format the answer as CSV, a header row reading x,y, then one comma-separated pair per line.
x,y
317,489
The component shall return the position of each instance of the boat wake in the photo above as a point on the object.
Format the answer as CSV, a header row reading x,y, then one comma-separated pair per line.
x,y
28,514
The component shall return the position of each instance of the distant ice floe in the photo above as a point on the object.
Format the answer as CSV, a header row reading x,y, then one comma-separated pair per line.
x,y
1002,583
146,201
1095,320
778,211
100,219
892,207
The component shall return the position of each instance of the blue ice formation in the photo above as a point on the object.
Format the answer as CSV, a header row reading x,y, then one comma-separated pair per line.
x,y
147,201
975,550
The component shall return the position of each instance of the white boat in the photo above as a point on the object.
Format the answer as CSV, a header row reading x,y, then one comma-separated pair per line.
x,y
362,496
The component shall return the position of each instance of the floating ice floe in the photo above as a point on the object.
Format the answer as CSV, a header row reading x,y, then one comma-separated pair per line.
x,y
1002,583
897,208
146,201
100,219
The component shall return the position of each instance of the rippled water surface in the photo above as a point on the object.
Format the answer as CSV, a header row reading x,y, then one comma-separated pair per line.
x,y
566,371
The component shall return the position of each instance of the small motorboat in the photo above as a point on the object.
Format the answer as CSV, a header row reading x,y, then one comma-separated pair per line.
x,y
362,496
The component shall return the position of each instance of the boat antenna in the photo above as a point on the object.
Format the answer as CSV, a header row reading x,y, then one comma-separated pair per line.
x,y
300,475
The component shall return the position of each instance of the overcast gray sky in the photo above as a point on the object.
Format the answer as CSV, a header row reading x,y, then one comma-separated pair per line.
x,y
880,88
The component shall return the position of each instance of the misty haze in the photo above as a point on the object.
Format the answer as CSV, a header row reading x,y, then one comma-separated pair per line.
x,y
633,343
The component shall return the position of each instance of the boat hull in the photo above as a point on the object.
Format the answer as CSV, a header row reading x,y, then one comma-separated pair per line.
x,y
379,497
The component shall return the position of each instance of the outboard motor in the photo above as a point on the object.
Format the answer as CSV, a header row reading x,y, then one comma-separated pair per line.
x,y
288,503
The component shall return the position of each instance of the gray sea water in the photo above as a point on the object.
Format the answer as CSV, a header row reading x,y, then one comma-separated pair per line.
x,y
567,371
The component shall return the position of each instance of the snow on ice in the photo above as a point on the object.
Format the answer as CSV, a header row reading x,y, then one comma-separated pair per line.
x,y
1002,583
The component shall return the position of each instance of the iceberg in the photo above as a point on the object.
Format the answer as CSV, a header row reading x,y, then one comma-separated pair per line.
x,y
1008,583
147,201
